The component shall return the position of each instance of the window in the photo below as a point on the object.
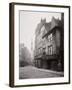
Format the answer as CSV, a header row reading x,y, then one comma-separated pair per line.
x,y
39,50
50,37
50,50
44,50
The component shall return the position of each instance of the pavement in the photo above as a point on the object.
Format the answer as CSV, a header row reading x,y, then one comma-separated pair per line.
x,y
34,72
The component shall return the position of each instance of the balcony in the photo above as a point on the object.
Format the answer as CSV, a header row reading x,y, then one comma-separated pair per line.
x,y
46,57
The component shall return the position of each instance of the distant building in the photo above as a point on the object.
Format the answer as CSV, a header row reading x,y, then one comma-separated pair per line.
x,y
32,51
49,44
25,58
21,59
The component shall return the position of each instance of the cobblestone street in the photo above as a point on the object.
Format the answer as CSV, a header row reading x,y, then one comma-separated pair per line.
x,y
33,72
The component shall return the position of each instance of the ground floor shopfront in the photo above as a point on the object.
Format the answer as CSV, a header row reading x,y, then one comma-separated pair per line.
x,y
50,63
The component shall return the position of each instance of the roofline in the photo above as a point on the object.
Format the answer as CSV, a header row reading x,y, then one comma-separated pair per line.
x,y
51,31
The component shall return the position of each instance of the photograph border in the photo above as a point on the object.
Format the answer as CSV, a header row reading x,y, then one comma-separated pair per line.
x,y
11,43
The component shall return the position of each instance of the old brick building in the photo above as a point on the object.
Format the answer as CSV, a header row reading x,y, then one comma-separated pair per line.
x,y
49,47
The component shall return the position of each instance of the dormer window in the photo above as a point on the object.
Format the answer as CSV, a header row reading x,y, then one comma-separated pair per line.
x,y
50,37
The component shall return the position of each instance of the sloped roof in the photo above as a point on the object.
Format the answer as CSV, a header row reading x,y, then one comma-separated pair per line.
x,y
47,28
55,23
39,26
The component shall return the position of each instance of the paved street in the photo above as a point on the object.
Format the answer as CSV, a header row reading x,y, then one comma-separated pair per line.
x,y
33,72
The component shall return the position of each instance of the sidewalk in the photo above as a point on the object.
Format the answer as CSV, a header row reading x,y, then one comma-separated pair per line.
x,y
51,71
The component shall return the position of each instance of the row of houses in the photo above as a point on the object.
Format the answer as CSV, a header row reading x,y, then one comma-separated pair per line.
x,y
49,44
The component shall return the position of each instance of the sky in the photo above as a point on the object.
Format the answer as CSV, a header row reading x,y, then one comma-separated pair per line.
x,y
28,24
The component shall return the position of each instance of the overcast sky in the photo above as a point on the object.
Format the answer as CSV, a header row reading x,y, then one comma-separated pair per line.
x,y
28,24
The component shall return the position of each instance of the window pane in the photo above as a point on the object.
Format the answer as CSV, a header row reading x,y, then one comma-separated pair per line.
x,y
51,50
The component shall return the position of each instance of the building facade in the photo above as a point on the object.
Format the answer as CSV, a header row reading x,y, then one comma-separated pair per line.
x,y
49,44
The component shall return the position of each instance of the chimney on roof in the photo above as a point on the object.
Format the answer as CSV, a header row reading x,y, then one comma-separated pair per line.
x,y
43,20
53,18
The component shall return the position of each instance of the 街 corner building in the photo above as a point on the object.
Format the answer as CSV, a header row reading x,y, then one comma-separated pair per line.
x,y
49,44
